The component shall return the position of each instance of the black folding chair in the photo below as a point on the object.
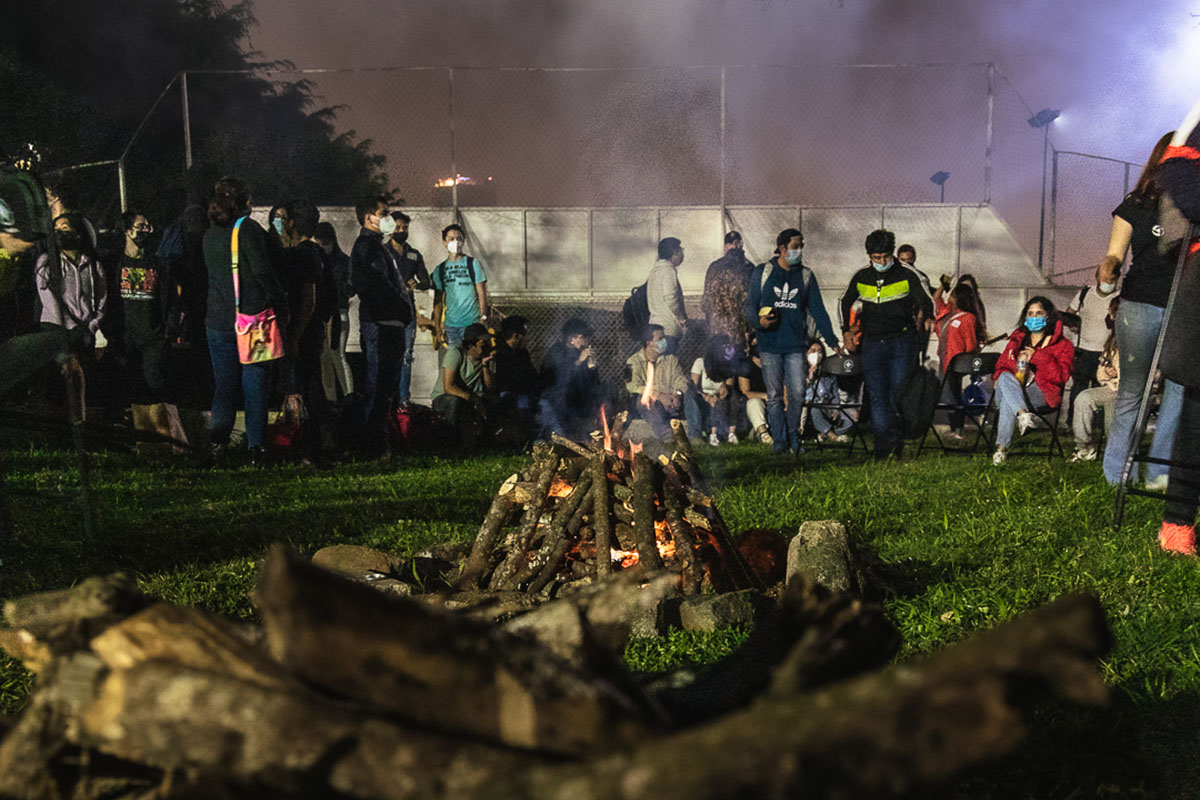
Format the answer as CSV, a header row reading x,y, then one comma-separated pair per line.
x,y
842,367
972,365
1050,416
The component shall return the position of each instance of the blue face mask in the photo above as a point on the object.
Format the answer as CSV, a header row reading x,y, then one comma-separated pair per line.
x,y
662,345
793,256
882,267
1035,324
277,223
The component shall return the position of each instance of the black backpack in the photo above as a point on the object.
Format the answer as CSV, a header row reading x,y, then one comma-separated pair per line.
x,y
916,400
636,311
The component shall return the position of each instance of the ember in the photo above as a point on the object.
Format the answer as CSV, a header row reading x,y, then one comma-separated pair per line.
x,y
549,524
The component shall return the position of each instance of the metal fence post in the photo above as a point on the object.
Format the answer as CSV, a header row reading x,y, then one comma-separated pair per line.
x,y
121,184
187,121
453,158
1053,212
724,213
958,244
991,134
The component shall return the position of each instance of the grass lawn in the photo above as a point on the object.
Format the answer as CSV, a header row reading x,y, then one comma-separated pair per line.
x,y
967,545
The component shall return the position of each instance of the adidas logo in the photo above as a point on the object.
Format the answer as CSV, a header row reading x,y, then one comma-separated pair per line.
x,y
784,293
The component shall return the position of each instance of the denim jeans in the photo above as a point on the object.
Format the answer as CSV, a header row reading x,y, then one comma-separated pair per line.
x,y
885,363
1137,332
703,418
403,391
1009,401
826,391
454,336
230,374
780,370
382,345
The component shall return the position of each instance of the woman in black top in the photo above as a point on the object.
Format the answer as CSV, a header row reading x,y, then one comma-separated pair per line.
x,y
1143,300
260,289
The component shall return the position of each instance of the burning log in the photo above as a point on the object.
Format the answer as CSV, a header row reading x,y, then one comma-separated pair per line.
x,y
555,540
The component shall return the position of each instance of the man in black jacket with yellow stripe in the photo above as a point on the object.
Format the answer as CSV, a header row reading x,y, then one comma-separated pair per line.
x,y
892,299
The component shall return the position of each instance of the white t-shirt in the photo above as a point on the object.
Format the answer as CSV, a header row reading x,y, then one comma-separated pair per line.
x,y
1093,333
706,386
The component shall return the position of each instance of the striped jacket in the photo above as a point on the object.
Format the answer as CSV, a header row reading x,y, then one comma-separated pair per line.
x,y
891,301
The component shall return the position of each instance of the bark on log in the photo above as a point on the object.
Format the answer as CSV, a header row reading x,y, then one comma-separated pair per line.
x,y
643,512
584,450
685,544
601,522
435,668
480,558
556,535
620,420
529,522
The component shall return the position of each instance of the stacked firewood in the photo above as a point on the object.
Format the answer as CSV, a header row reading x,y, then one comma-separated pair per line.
x,y
585,510
346,691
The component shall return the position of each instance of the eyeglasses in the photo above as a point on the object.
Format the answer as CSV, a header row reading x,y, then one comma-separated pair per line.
x,y
143,228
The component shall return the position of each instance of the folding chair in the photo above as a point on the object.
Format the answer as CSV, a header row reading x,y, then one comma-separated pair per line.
x,y
1050,416
842,366
972,365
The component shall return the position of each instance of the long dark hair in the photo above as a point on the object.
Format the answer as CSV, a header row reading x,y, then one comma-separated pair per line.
x,y
1051,313
230,200
966,300
1147,185
723,361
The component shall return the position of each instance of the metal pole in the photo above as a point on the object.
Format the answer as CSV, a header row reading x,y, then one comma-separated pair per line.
x,y
1054,214
1042,219
453,158
121,185
1126,177
187,122
991,133
724,229
958,244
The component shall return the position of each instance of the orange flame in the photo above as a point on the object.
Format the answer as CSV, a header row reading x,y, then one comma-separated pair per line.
x,y
648,392
626,558
559,487
664,540
607,432
634,449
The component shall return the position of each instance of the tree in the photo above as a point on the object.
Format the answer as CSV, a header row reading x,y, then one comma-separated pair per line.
x,y
78,77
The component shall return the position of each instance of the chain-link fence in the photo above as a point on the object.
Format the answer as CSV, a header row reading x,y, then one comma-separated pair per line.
x,y
1084,191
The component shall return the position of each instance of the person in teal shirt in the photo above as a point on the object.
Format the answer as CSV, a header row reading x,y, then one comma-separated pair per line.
x,y
460,296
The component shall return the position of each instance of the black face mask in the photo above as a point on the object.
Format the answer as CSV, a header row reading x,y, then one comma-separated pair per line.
x,y
400,237
138,237
68,240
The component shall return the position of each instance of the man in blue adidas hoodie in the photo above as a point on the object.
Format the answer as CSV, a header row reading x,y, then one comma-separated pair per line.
x,y
783,302
892,298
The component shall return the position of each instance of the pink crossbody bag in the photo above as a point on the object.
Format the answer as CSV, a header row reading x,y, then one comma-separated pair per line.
x,y
258,336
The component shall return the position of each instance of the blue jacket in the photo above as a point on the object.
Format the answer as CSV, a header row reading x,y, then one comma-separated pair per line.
x,y
795,295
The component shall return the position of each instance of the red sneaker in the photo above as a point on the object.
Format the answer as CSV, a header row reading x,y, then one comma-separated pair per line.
x,y
1175,538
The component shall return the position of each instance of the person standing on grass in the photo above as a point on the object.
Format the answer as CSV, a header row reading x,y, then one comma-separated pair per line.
x,y
1136,231
259,289
335,369
1031,371
664,295
148,296
893,300
724,299
416,279
783,303
906,254
460,294
1180,180
383,314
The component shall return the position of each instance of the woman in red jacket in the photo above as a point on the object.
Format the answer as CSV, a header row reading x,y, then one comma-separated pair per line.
x,y
1038,359
959,331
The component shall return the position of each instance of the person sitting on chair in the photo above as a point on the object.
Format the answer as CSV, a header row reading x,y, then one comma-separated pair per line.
x,y
1032,371
1098,398
830,424
959,331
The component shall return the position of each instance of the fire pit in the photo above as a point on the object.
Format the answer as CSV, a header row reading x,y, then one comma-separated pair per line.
x,y
624,501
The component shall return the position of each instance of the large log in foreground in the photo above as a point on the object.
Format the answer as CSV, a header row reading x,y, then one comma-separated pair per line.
x,y
354,696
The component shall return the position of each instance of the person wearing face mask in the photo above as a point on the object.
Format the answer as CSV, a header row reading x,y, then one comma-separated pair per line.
x,y
385,310
460,295
906,254
655,381
664,295
1032,370
784,305
416,279
1144,290
571,389
148,295
336,374
830,424
710,405
893,301
724,298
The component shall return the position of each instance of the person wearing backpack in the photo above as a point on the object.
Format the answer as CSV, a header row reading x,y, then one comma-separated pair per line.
x,y
783,302
893,299
460,295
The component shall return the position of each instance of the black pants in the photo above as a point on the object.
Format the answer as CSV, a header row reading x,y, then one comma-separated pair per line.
x,y
146,369
384,349
465,417
1184,480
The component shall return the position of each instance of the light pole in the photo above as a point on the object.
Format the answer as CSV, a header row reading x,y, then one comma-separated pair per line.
x,y
1042,119
939,179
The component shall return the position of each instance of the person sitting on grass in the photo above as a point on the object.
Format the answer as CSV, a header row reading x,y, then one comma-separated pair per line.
x,y
712,401
463,382
1098,398
1031,371
655,381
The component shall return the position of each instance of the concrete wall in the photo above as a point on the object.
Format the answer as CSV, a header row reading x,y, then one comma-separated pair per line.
x,y
597,255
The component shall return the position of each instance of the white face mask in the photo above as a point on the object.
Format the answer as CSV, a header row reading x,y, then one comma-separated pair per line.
x,y
814,359
793,256
387,225
454,246
1107,288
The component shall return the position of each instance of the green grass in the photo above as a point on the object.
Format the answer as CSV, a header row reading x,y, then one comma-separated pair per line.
x,y
964,546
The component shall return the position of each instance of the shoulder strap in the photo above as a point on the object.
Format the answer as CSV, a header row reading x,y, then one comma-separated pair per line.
x,y
471,268
767,268
233,254
1083,294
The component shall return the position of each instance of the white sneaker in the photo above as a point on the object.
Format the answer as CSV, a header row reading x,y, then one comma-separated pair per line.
x,y
765,437
1025,421
1158,484
732,438
999,457
1084,454
842,438
714,440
